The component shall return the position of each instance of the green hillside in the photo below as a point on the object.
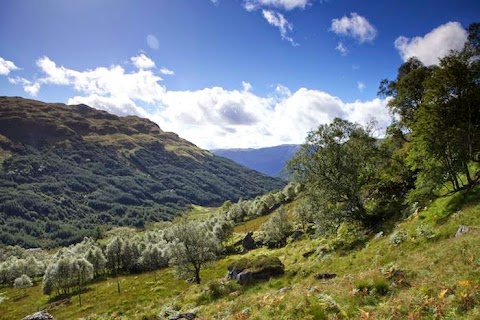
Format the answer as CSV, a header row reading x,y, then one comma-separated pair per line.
x,y
427,273
65,171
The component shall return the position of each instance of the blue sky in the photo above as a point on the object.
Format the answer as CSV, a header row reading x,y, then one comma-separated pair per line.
x,y
224,73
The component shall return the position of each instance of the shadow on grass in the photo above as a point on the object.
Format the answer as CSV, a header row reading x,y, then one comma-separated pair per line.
x,y
458,201
61,299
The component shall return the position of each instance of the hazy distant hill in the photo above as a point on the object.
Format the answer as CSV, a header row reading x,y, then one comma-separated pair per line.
x,y
64,170
269,160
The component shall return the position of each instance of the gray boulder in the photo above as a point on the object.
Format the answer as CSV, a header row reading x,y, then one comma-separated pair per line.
x,y
461,230
248,242
41,315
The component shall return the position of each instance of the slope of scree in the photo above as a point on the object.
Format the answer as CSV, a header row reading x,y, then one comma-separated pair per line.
x,y
65,170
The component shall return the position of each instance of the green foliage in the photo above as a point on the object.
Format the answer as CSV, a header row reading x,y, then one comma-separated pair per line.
x,y
191,248
437,111
340,166
66,274
23,281
277,229
398,237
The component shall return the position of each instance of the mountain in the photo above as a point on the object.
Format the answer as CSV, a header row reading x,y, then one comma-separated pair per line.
x,y
270,161
68,171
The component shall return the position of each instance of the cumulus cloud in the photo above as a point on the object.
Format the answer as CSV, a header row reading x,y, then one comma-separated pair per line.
x,y
152,42
6,66
30,87
341,48
434,45
142,62
356,27
167,71
251,5
211,117
277,19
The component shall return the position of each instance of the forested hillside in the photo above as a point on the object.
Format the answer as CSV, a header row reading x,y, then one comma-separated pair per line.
x,y
66,170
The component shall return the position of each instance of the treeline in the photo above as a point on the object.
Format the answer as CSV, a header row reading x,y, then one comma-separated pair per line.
x,y
245,210
185,245
432,147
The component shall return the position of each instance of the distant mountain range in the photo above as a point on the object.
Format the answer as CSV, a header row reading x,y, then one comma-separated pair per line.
x,y
271,160
67,170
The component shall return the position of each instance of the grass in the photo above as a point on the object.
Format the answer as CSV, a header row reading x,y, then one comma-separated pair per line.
x,y
422,277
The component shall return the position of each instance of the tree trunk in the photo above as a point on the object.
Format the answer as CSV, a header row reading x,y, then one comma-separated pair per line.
x,y
197,275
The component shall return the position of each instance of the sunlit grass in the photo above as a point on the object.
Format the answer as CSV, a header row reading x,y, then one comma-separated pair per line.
x,y
422,277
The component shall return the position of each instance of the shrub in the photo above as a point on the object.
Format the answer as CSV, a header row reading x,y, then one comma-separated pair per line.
x,y
398,237
276,229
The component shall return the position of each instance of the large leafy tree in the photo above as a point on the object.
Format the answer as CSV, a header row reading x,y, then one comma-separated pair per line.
x,y
438,110
446,133
339,165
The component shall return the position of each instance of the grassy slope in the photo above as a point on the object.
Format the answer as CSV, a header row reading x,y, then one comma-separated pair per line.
x,y
440,281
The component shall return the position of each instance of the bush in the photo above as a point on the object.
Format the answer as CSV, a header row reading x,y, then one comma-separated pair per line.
x,y
277,229
398,237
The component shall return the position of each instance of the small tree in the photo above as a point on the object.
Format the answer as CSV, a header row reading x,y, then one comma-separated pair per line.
x,y
153,257
23,282
277,228
305,213
113,253
192,247
97,259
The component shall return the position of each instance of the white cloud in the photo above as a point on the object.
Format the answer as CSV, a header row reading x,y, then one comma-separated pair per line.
x,y
246,86
152,42
121,105
29,87
142,62
211,117
167,71
6,66
356,27
277,19
251,5
361,86
434,45
142,85
341,48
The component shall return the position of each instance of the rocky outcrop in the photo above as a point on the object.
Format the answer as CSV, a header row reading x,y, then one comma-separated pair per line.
x,y
41,315
246,271
186,316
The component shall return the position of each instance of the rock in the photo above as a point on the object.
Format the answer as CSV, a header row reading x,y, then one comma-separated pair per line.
x,y
325,276
308,253
244,277
245,271
248,242
41,315
187,316
461,230
284,289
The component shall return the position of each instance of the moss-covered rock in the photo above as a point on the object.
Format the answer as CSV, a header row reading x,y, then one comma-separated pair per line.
x,y
263,267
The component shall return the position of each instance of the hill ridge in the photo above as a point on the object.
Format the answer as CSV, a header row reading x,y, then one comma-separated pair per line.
x,y
64,170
